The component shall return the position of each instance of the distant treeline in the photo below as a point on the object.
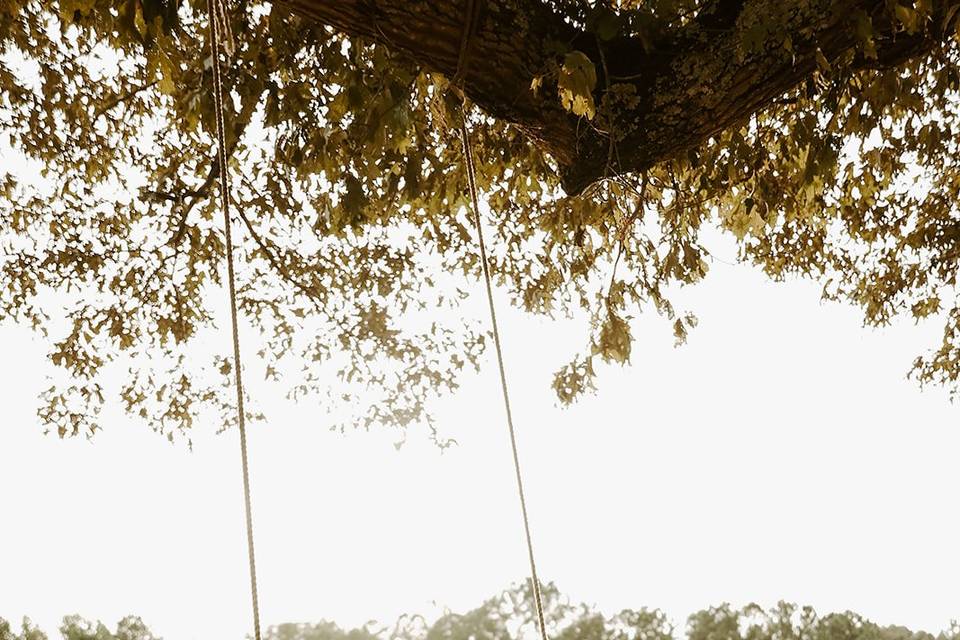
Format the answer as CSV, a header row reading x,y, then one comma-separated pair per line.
x,y
510,616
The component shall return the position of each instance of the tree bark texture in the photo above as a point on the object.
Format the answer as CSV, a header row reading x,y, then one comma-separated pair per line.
x,y
688,85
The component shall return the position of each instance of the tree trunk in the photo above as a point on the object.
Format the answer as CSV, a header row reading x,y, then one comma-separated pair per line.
x,y
731,61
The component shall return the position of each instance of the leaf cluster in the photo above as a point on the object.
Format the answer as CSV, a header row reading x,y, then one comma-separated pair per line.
x,y
357,250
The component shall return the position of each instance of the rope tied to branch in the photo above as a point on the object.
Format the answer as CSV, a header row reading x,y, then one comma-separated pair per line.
x,y
474,9
221,40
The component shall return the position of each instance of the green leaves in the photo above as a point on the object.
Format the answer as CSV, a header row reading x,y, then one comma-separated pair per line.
x,y
507,615
575,84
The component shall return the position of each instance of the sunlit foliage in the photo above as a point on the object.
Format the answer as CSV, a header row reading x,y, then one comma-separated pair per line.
x,y
350,191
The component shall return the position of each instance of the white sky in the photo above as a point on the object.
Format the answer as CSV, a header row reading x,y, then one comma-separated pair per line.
x,y
781,454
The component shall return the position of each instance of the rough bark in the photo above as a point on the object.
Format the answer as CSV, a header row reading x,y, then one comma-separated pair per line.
x,y
689,85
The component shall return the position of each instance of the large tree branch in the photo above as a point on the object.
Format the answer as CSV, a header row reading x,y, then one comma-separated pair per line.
x,y
703,78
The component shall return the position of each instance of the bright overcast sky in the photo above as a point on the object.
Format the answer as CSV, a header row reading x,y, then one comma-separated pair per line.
x,y
781,454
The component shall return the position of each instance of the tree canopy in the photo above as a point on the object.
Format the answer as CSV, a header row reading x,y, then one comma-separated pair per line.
x,y
609,135
508,616
76,628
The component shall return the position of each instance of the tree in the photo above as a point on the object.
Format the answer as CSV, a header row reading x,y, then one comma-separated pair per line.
x,y
504,617
129,628
609,135
790,622
319,631
28,631
76,628
509,616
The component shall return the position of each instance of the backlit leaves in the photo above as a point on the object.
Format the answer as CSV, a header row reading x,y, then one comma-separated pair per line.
x,y
350,193
575,84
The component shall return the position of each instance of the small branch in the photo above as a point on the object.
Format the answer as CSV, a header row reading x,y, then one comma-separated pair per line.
x,y
695,82
275,262
622,233
123,98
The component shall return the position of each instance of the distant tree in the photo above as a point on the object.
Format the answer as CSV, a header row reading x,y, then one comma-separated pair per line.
x,y
27,631
130,628
895,632
715,623
789,622
133,628
75,627
317,631
508,616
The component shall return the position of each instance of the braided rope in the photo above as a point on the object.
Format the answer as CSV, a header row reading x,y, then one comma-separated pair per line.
x,y
217,14
475,200
216,10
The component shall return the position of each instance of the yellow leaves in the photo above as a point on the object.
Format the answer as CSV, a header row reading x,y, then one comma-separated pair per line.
x,y
357,149
536,83
575,84
337,107
70,8
166,84
401,144
139,22
681,328
163,69
822,63
744,218
615,340
863,27
191,118
926,307
909,17
574,379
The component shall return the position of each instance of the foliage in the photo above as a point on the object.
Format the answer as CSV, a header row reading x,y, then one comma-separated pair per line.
x,y
509,616
350,188
77,628
27,631
578,78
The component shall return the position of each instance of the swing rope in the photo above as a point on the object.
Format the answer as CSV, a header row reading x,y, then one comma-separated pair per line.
x,y
475,202
218,17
